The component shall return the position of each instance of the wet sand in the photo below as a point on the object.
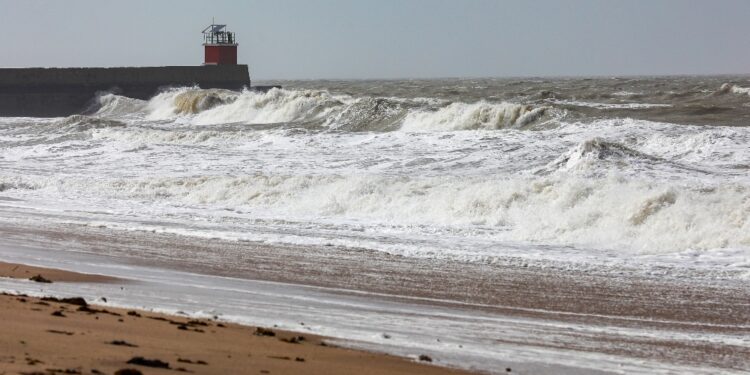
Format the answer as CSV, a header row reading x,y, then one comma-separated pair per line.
x,y
70,336
672,319
22,271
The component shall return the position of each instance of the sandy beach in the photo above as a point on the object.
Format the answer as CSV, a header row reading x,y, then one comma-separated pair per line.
x,y
70,336
527,317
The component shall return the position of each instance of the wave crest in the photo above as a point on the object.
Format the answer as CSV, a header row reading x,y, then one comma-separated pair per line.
x,y
195,101
83,123
112,105
604,212
594,153
734,89
319,107
477,116
210,107
370,114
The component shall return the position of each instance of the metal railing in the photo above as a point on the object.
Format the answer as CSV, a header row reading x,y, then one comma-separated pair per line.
x,y
221,37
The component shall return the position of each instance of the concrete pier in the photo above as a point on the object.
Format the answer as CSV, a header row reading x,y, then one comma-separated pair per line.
x,y
52,92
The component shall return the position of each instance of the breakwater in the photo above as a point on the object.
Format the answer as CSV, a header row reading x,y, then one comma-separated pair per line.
x,y
51,92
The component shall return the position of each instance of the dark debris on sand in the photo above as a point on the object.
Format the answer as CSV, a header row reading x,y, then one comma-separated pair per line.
x,y
78,301
148,362
122,343
187,326
184,327
294,339
63,371
128,371
198,362
425,358
264,332
60,332
284,358
40,279
89,310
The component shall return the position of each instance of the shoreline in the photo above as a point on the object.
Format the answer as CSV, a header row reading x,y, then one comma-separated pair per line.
x,y
71,335
533,320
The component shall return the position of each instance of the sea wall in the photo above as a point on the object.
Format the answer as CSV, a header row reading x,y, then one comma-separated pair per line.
x,y
49,92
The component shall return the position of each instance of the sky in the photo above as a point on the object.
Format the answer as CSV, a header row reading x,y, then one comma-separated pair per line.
x,y
362,39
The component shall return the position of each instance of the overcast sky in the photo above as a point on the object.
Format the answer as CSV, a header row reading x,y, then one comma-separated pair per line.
x,y
389,38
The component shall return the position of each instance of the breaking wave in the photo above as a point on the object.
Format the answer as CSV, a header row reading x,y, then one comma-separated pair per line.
x,y
597,153
81,123
195,101
370,114
112,105
208,107
734,89
412,166
66,128
601,213
341,113
481,115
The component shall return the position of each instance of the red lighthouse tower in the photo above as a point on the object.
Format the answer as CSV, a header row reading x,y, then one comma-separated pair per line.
x,y
220,46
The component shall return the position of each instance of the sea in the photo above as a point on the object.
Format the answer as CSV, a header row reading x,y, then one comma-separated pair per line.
x,y
642,174
473,170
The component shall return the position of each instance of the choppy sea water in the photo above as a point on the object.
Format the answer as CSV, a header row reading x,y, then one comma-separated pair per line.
x,y
638,170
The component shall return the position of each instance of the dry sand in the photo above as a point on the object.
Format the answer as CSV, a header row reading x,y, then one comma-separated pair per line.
x,y
39,336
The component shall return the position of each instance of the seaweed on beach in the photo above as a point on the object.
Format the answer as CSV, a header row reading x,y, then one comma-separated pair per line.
x,y
148,362
40,279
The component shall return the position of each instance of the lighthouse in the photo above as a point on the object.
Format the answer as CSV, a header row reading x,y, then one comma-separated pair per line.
x,y
220,46
56,92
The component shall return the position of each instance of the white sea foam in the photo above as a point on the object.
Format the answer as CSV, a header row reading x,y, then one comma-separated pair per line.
x,y
562,209
579,103
207,107
415,177
457,177
115,105
175,136
627,94
597,153
734,89
219,106
481,115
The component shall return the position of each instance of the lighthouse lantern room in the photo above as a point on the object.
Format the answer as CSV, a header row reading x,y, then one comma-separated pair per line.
x,y
220,46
